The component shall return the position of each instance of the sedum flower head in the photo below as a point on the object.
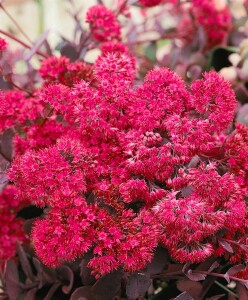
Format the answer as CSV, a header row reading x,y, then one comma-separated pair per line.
x,y
131,166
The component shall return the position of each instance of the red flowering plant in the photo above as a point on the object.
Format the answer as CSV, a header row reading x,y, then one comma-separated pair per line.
x,y
141,184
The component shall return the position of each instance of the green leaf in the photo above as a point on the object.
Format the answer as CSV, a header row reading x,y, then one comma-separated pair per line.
x,y
150,52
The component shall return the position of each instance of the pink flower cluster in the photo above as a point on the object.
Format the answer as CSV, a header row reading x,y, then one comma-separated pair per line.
x,y
236,152
134,166
103,23
61,70
11,228
150,3
3,44
205,18
215,20
17,109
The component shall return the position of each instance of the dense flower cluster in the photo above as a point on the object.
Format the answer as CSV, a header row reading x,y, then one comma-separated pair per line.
x,y
61,70
150,3
208,203
103,24
130,167
3,44
236,151
17,109
11,230
124,164
206,18
216,20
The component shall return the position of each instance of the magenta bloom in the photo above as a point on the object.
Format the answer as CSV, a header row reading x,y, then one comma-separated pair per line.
x,y
103,24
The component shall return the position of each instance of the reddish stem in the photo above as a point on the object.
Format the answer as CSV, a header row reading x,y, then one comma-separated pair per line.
x,y
122,6
48,115
221,276
44,55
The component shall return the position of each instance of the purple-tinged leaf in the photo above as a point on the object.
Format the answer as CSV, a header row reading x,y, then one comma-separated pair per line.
x,y
191,287
44,274
242,115
244,247
4,85
6,70
245,283
6,142
226,276
65,273
184,296
137,285
3,180
13,287
83,293
172,268
159,261
49,274
242,291
40,41
30,295
108,286
186,268
194,73
235,269
26,267
69,51
241,92
186,191
201,37
237,37
226,246
48,48
39,275
194,275
131,2
214,266
52,290
85,272
28,225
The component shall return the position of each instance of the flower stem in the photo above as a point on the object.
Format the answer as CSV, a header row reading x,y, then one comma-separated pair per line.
x,y
11,36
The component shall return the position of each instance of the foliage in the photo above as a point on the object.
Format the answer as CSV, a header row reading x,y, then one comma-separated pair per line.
x,y
126,178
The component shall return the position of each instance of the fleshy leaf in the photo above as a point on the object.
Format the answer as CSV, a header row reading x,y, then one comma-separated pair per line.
x,y
107,287
26,267
85,272
137,285
242,291
83,293
6,142
65,273
159,261
213,266
226,246
30,295
191,287
194,275
13,288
